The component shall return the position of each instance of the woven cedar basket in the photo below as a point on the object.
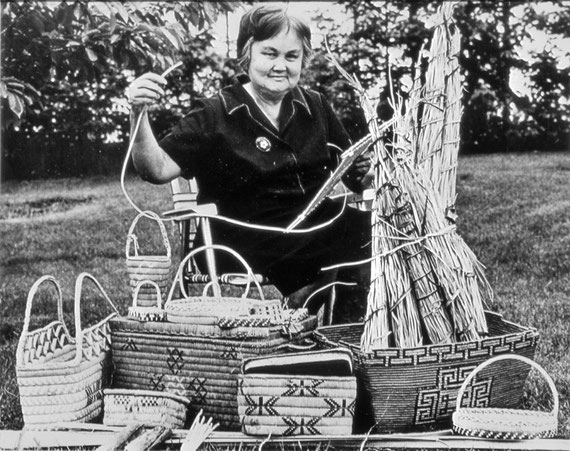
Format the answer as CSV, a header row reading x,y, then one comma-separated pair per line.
x,y
60,377
139,313
412,389
148,267
499,423
296,404
123,407
200,362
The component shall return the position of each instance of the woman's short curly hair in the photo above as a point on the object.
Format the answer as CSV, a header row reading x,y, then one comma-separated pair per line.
x,y
266,21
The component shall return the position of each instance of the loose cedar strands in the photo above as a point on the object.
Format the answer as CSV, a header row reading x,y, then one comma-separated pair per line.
x,y
444,272
438,140
391,308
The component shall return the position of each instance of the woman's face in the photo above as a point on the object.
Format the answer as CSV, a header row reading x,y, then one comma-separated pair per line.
x,y
275,64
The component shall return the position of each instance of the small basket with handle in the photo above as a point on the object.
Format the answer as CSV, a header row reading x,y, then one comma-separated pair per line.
x,y
60,377
155,313
501,423
148,267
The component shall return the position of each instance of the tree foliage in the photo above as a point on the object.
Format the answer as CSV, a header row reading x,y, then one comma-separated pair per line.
x,y
66,65
389,35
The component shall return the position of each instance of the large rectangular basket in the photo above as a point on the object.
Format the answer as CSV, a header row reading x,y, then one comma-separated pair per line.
x,y
191,361
404,389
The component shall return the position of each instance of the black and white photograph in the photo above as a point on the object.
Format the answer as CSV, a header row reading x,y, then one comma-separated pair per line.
x,y
288,225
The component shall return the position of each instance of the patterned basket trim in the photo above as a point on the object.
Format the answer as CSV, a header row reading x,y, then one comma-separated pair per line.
x,y
214,284
506,421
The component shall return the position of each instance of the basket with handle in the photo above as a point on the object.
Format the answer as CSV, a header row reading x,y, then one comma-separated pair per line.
x,y
61,377
148,267
124,407
501,423
155,313
415,388
196,360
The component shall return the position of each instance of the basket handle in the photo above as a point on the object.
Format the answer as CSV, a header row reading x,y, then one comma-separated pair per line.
x,y
79,332
178,276
497,358
27,317
156,287
131,237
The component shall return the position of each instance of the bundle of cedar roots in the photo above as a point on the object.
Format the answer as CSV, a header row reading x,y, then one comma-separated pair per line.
x,y
427,286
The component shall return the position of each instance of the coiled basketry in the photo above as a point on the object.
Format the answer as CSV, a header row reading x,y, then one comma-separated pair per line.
x,y
503,423
155,268
123,407
140,313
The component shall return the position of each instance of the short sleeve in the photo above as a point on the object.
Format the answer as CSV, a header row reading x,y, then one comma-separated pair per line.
x,y
188,141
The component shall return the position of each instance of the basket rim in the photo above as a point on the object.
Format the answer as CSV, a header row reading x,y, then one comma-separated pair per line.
x,y
355,348
146,393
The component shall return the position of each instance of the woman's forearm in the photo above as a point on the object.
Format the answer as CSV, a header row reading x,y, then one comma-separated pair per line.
x,y
151,162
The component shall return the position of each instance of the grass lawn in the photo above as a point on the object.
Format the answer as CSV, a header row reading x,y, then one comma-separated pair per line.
x,y
514,212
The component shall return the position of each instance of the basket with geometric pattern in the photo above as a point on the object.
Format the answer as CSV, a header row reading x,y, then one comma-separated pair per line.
x,y
196,360
501,423
139,313
292,402
148,267
60,377
415,389
123,407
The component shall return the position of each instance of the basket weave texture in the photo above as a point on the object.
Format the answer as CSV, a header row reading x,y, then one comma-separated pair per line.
x,y
139,313
501,423
123,407
199,361
296,405
60,377
155,268
411,389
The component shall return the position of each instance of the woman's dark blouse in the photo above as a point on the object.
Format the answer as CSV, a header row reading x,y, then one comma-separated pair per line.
x,y
218,144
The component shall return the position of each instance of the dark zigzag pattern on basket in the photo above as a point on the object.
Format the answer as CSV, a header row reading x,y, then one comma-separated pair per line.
x,y
502,435
344,409
449,352
307,428
129,345
302,389
230,354
253,406
433,403
44,342
175,360
195,389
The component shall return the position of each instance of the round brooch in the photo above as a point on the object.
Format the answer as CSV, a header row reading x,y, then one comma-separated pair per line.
x,y
263,144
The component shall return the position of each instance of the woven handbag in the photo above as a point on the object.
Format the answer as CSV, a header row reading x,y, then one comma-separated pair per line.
x,y
139,313
498,423
123,407
415,389
148,267
305,393
199,361
61,377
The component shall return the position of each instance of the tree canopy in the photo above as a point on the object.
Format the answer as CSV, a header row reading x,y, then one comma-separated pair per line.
x,y
66,65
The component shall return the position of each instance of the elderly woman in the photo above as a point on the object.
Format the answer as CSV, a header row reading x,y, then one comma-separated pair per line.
x,y
260,150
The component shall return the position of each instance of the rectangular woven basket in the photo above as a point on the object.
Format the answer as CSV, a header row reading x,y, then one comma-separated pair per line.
x,y
296,405
411,389
194,361
124,407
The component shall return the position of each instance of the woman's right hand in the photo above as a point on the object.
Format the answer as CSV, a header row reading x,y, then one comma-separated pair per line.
x,y
146,90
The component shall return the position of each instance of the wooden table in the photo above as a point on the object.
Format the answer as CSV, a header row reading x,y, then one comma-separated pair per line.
x,y
74,436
